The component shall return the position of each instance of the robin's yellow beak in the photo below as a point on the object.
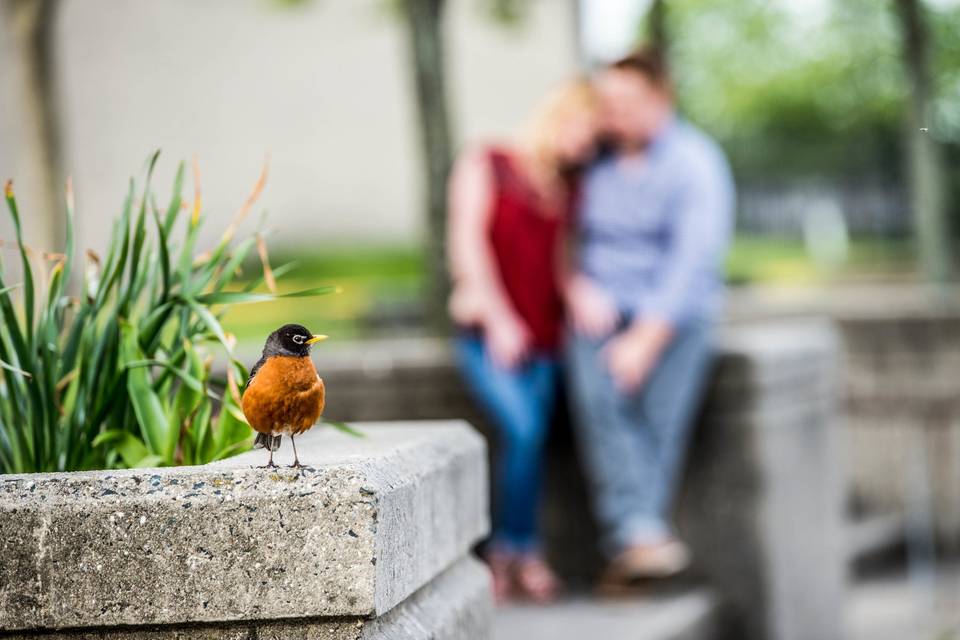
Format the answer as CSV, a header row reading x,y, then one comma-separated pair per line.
x,y
316,339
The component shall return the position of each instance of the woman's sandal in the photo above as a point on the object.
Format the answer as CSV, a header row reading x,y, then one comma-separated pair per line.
x,y
501,570
535,580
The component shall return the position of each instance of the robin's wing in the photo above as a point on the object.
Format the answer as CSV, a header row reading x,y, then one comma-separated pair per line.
x,y
254,370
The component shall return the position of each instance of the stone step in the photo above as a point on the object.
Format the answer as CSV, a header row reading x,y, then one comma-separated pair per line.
x,y
689,615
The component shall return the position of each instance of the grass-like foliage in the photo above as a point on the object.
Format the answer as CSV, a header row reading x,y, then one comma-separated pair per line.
x,y
110,367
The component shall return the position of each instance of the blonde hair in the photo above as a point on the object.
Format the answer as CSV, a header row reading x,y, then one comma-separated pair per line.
x,y
566,99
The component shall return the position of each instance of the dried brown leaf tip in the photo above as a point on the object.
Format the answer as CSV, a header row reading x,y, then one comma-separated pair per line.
x,y
244,210
68,193
268,277
197,199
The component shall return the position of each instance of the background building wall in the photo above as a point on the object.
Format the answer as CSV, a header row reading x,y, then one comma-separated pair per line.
x,y
323,87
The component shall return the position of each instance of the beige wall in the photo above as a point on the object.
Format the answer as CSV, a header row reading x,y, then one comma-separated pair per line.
x,y
322,87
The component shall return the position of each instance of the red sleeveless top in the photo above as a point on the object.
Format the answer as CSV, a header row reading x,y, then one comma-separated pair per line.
x,y
525,237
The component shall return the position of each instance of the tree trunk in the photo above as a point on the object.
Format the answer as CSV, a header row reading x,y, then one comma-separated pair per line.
x,y
657,27
31,24
424,20
924,160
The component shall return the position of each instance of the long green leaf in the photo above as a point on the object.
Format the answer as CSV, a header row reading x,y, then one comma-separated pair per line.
x,y
174,207
345,428
189,381
163,245
186,400
241,297
211,322
139,238
232,450
117,261
147,406
131,448
28,293
202,436
17,370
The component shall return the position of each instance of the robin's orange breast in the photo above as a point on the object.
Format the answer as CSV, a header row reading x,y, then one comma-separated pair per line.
x,y
285,396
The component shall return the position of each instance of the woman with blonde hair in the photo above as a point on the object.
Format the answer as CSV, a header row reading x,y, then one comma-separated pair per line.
x,y
509,210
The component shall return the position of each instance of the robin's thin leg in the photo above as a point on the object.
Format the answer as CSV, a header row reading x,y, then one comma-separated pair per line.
x,y
296,461
270,464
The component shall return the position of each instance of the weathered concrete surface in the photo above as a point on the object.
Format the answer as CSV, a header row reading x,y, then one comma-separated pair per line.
x,y
901,347
903,415
762,505
370,522
456,605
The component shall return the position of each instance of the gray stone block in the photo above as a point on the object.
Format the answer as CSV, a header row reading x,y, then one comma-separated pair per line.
x,y
367,524
456,605
763,497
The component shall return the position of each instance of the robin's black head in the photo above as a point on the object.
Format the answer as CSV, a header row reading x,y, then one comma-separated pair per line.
x,y
290,340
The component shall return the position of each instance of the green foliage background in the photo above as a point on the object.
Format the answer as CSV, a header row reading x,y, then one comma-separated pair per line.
x,y
807,88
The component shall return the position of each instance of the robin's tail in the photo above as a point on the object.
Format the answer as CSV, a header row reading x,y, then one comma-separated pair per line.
x,y
266,441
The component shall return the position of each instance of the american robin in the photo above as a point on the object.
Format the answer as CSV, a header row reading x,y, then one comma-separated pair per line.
x,y
284,395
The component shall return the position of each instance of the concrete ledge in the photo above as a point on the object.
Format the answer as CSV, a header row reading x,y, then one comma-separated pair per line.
x,y
762,503
456,605
370,522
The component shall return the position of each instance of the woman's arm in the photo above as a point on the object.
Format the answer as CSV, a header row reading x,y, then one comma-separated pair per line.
x,y
589,309
478,296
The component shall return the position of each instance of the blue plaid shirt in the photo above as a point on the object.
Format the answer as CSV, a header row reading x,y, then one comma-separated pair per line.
x,y
653,234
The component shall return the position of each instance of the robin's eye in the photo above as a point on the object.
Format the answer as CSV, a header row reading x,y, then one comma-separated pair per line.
x,y
299,339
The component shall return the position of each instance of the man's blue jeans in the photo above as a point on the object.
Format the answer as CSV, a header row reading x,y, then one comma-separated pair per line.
x,y
520,403
633,444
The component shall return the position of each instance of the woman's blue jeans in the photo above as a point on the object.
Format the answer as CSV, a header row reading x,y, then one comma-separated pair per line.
x,y
520,402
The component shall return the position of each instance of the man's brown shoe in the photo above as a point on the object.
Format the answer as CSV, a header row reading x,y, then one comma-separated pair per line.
x,y
643,562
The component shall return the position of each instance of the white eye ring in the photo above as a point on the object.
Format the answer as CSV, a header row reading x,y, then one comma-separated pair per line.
x,y
298,339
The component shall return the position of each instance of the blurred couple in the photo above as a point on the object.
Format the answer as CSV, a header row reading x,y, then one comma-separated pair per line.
x,y
591,247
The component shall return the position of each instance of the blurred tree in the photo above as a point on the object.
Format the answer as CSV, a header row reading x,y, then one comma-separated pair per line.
x,y
656,27
31,25
424,23
789,90
924,157
800,90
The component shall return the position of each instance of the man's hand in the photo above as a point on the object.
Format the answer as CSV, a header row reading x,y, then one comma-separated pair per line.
x,y
632,355
508,340
592,312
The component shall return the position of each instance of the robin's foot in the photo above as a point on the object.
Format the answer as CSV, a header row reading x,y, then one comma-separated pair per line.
x,y
296,465
269,465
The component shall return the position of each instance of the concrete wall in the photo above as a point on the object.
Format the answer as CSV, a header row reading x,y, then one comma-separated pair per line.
x,y
323,87
899,395
371,540
902,408
763,499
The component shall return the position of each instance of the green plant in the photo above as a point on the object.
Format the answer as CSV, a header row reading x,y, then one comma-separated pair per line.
x,y
119,374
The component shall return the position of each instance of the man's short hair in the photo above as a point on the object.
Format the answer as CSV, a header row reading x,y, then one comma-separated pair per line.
x,y
648,62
